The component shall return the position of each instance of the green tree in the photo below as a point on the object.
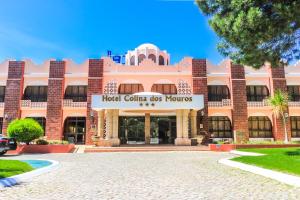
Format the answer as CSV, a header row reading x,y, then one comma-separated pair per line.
x,y
255,31
279,103
25,130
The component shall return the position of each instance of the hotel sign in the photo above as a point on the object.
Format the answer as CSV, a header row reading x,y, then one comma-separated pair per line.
x,y
147,102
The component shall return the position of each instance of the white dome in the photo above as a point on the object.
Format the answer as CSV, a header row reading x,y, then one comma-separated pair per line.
x,y
147,45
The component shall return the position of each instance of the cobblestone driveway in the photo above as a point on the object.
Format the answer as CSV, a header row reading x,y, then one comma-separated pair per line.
x,y
164,175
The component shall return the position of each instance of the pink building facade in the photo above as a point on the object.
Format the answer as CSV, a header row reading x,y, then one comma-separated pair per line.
x,y
60,95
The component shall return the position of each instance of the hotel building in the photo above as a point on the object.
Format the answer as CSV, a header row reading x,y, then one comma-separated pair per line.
x,y
148,100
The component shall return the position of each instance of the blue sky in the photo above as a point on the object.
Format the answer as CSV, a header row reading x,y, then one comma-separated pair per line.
x,y
81,29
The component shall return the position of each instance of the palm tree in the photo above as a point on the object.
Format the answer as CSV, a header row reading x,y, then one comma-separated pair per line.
x,y
279,103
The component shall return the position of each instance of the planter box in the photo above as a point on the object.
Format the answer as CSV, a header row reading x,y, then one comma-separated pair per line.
x,y
222,147
51,148
229,147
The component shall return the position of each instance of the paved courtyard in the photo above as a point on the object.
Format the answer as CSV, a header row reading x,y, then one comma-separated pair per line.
x,y
157,175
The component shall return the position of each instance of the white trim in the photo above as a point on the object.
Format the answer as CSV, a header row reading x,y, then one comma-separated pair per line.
x,y
25,177
281,177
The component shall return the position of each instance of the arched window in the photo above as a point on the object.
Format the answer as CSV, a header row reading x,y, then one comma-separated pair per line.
x,y
152,57
74,129
295,126
161,60
260,127
164,88
218,92
257,92
141,58
130,88
220,127
132,60
78,93
36,93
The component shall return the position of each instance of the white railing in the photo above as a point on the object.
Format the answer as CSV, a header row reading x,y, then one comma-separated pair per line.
x,y
294,103
72,104
257,103
1,104
224,102
29,104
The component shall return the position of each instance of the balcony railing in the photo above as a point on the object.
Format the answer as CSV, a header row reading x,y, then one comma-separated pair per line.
x,y
29,104
294,103
223,103
72,104
257,103
1,104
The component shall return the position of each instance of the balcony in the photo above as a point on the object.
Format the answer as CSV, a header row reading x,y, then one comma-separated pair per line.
x,y
294,103
29,104
256,104
1,104
71,104
223,103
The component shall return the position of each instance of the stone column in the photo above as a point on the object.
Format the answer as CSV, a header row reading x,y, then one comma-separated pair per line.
x,y
182,128
115,128
178,124
100,123
109,123
147,128
194,123
185,123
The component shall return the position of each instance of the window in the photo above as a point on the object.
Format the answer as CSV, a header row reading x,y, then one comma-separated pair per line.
x,y
36,93
152,57
260,127
295,126
218,92
257,92
294,93
77,93
141,57
41,121
161,60
2,93
130,88
164,88
74,129
220,127
1,124
132,60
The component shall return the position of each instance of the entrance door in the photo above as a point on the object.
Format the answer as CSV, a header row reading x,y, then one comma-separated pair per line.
x,y
132,130
163,129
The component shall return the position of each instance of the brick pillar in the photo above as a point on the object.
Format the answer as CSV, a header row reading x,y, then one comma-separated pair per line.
x,y
278,82
239,103
200,87
94,87
13,92
54,122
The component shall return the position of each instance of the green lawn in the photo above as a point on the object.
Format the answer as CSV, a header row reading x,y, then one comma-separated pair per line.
x,y
280,159
13,167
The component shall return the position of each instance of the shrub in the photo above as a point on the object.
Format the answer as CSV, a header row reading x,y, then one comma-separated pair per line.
x,y
58,142
25,130
41,142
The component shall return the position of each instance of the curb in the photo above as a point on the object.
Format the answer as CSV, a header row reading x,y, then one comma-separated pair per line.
x,y
25,177
243,153
279,176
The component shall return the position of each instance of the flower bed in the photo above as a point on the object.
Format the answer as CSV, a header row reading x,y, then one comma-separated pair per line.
x,y
229,147
51,148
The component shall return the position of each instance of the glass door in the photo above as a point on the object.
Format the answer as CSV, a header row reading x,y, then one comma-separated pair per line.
x,y
132,130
